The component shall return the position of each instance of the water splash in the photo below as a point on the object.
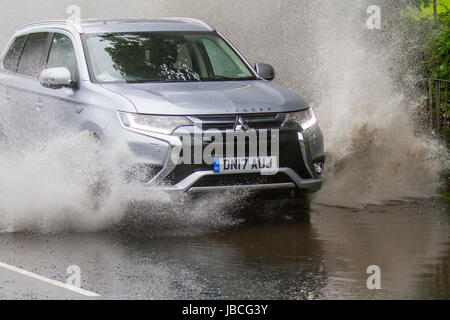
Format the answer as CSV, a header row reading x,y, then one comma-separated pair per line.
x,y
47,187
318,49
53,186
324,50
375,153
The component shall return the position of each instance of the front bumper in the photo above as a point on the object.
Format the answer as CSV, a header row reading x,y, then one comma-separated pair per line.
x,y
188,184
298,152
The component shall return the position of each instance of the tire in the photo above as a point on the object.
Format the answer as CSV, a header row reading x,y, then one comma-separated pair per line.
x,y
4,142
300,201
100,189
275,204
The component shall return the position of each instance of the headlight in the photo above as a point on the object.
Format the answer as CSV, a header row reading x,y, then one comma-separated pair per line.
x,y
306,119
158,124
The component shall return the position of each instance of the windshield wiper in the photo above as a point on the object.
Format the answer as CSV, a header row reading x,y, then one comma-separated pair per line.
x,y
161,80
215,78
220,78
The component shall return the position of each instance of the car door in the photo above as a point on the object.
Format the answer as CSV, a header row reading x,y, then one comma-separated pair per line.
x,y
26,121
60,104
9,92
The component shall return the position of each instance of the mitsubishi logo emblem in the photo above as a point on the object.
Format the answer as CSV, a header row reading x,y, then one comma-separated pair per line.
x,y
241,124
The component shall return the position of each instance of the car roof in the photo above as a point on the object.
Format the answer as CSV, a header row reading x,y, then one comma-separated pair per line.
x,y
126,25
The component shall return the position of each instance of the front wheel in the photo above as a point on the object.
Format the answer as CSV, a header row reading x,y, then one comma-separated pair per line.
x,y
293,204
4,142
300,201
276,203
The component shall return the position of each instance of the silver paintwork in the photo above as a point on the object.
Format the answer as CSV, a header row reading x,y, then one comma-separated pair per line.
x,y
188,183
189,20
273,186
94,107
54,77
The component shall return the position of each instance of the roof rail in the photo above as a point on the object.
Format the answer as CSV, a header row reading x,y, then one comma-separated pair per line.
x,y
73,24
76,25
189,20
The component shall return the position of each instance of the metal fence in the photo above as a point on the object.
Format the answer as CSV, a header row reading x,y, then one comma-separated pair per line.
x,y
438,106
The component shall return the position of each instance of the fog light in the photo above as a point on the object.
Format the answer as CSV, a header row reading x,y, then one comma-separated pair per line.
x,y
318,167
142,173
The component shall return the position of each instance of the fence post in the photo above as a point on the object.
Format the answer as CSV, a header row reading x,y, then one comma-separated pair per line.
x,y
445,110
430,101
438,105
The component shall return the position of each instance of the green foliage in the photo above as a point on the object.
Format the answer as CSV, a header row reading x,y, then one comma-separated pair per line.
x,y
437,48
432,35
447,196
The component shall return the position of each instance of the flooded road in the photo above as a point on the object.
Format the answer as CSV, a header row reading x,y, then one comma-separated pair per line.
x,y
320,255
321,50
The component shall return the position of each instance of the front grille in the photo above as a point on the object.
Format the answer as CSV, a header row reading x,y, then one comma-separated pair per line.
x,y
290,156
260,121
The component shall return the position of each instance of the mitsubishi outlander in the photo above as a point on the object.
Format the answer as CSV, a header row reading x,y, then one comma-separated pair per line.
x,y
194,112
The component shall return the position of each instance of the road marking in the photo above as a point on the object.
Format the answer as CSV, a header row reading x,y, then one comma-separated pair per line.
x,y
49,281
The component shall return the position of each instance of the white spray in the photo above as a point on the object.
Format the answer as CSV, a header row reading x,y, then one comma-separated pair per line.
x,y
317,49
320,49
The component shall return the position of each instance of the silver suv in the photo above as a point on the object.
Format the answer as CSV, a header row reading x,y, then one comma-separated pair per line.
x,y
171,89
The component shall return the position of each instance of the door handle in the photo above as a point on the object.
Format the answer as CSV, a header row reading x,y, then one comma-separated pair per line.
x,y
7,95
78,109
39,104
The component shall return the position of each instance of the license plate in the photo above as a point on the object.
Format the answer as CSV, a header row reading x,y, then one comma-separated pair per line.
x,y
264,165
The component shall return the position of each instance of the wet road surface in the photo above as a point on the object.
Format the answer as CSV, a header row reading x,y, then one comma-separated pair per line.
x,y
323,254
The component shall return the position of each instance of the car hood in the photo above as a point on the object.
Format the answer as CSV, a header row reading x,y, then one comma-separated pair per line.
x,y
201,98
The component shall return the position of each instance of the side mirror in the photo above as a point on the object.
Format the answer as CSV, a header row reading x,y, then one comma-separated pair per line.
x,y
56,78
265,71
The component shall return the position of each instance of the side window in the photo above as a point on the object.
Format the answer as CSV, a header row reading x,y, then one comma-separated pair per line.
x,y
184,58
62,54
12,56
31,59
221,62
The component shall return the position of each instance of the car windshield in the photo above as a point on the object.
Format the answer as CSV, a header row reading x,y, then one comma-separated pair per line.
x,y
163,57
